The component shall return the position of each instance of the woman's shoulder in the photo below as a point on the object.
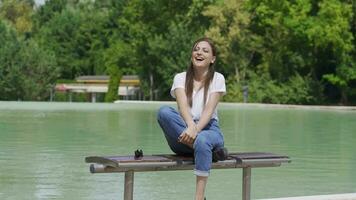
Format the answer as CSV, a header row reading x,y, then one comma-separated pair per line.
x,y
179,78
219,76
180,75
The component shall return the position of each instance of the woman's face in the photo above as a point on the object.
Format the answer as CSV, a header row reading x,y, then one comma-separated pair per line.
x,y
202,55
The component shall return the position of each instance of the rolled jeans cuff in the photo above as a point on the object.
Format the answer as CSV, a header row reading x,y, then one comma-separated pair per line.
x,y
201,173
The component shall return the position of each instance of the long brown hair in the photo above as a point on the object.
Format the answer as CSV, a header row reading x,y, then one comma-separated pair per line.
x,y
189,79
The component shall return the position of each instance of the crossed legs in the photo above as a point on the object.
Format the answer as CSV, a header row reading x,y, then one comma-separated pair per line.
x,y
210,137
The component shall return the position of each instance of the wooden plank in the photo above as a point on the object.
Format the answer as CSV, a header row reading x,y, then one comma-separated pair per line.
x,y
256,158
256,155
101,160
235,160
148,158
114,160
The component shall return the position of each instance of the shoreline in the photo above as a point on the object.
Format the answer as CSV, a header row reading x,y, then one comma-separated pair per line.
x,y
346,196
223,105
261,105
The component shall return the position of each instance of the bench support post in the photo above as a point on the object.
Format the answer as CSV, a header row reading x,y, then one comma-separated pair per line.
x,y
246,183
129,185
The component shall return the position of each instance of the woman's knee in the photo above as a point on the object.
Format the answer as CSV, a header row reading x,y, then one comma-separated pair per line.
x,y
164,112
201,143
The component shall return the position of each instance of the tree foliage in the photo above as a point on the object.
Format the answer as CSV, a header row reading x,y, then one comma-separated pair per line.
x,y
286,43
19,13
294,52
27,71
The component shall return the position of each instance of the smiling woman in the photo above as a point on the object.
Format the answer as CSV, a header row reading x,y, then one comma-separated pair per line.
x,y
194,130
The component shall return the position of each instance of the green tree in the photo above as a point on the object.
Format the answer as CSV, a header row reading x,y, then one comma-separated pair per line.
x,y
76,34
317,42
170,54
46,12
229,30
8,66
332,35
19,13
164,31
27,72
118,60
39,71
115,77
287,44
285,52
59,35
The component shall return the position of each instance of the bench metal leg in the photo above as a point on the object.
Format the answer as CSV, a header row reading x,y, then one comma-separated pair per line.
x,y
129,185
246,183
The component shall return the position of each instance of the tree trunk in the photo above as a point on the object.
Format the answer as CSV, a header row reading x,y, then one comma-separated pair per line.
x,y
151,86
237,74
344,100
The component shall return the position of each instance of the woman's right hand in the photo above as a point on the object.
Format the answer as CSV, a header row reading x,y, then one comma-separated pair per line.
x,y
188,136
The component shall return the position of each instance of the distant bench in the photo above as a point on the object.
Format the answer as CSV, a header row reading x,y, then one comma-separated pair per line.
x,y
130,164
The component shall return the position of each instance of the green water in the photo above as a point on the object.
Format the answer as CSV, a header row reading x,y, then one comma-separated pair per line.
x,y
43,145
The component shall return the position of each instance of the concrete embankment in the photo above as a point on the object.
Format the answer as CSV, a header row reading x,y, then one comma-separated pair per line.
x,y
349,196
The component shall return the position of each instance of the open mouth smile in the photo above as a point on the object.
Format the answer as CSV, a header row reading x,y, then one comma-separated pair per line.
x,y
199,59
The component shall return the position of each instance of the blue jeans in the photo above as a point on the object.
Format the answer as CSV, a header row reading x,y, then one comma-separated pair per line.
x,y
207,139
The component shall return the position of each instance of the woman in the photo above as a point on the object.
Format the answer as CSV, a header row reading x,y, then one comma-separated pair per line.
x,y
194,130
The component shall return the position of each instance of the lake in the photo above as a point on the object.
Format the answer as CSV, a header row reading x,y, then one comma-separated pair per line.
x,y
43,146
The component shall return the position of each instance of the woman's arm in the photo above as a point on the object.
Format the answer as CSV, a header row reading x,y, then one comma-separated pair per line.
x,y
183,106
189,135
208,110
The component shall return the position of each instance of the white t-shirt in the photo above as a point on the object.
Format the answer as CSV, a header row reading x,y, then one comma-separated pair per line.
x,y
217,85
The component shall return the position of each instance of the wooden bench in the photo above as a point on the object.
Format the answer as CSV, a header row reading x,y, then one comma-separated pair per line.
x,y
130,164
